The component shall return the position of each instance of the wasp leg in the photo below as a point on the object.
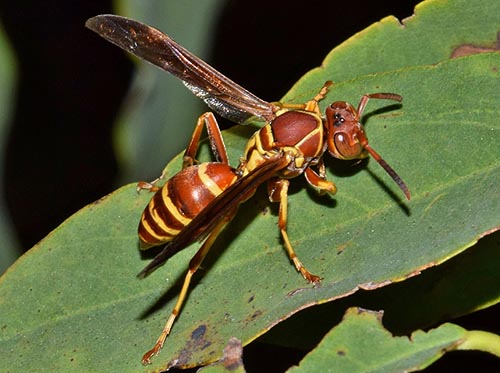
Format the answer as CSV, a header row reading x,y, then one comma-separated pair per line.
x,y
141,185
278,192
216,144
318,180
194,264
311,105
215,137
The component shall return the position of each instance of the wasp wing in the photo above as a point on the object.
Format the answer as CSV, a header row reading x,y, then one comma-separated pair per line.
x,y
222,207
219,92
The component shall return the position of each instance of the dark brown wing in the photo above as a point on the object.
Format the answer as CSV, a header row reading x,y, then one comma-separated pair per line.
x,y
220,208
219,92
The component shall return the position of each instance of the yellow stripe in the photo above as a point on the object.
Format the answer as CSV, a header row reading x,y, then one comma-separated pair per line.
x,y
155,221
165,237
167,231
207,180
169,205
317,131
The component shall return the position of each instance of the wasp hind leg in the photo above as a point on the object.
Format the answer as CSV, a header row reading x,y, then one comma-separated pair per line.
x,y
194,264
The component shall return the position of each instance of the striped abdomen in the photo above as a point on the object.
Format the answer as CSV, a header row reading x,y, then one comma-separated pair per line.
x,y
181,199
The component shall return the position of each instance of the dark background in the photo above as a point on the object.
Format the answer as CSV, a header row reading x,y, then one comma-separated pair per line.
x,y
59,150
59,154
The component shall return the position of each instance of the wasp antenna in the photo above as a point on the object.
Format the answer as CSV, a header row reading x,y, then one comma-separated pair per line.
x,y
401,184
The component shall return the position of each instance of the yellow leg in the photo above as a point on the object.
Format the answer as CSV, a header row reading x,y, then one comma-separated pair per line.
x,y
278,192
194,264
311,105
318,180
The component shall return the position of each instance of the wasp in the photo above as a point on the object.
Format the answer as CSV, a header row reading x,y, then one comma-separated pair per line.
x,y
198,202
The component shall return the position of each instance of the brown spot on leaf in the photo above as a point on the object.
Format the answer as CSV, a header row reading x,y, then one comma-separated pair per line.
x,y
233,353
196,343
469,49
256,314
199,332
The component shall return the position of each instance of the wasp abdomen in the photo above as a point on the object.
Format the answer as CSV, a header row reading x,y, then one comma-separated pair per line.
x,y
182,198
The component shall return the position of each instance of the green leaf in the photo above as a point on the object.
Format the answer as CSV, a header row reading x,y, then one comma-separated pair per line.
x,y
361,344
77,289
437,29
73,302
461,285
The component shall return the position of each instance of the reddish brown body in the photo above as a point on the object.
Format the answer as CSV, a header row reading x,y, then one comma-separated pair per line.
x,y
195,204
181,199
297,132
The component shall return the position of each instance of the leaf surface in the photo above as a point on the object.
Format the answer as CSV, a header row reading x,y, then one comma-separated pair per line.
x,y
464,284
361,344
438,30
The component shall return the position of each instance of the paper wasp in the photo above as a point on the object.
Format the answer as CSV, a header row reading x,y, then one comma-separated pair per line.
x,y
196,203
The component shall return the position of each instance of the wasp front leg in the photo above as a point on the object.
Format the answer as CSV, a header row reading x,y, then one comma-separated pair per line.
x,y
278,192
318,179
